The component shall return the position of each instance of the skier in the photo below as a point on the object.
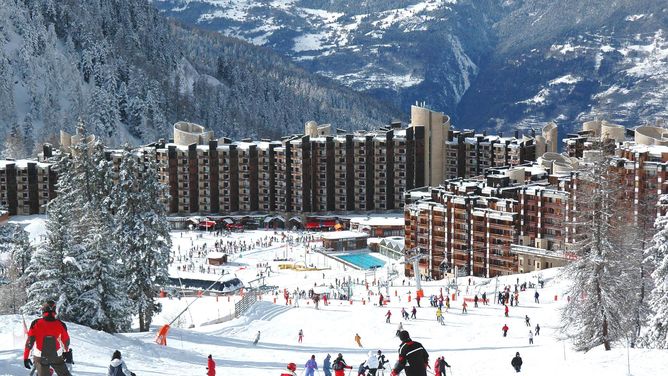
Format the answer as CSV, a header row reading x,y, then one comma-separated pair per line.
x,y
257,338
326,365
439,316
47,334
413,313
358,339
527,320
443,365
464,305
516,362
404,314
484,298
530,337
118,367
311,366
300,336
339,365
399,329
505,311
437,367
475,301
372,363
537,329
387,316
380,300
413,358
381,360
535,298
361,370
291,370
210,366
505,329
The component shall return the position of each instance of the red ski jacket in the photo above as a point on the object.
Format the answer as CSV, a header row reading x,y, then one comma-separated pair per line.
x,y
46,327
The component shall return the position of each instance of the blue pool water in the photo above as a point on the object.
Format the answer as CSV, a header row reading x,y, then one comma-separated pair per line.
x,y
362,260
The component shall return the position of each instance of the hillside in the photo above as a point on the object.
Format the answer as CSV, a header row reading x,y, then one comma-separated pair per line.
x,y
129,74
490,63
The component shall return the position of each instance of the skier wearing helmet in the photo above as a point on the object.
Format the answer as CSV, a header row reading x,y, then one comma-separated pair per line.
x,y
291,370
46,335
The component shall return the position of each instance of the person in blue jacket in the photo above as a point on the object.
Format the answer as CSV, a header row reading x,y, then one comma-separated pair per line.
x,y
327,365
311,366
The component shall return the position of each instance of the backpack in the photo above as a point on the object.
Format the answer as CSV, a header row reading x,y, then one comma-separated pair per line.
x,y
338,365
49,351
117,371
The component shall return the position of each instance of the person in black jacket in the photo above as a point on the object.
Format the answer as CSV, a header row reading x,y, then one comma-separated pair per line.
x,y
516,362
413,358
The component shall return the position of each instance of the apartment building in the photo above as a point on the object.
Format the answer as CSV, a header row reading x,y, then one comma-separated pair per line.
x,y
26,186
471,224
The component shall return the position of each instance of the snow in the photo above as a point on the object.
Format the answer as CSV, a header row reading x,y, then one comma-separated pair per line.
x,y
471,343
309,42
635,17
568,79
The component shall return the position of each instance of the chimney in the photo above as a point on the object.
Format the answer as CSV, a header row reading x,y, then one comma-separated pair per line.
x,y
517,133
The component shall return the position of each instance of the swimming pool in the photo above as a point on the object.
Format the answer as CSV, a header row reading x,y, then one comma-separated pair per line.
x,y
362,260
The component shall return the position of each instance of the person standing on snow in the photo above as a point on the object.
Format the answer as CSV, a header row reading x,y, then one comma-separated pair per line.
x,y
358,339
311,366
257,338
46,335
537,329
300,336
443,365
414,313
505,330
399,329
387,316
437,367
516,362
381,360
339,366
505,311
372,363
530,337
117,366
527,320
413,358
439,316
327,365
535,297
464,305
210,366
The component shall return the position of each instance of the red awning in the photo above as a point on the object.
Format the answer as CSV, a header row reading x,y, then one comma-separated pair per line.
x,y
207,224
327,223
312,225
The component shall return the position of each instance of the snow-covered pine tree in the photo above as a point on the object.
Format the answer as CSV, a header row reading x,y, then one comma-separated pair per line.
x,y
656,334
52,269
599,312
14,243
102,302
142,231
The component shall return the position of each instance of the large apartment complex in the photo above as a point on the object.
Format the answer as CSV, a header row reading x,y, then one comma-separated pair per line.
x,y
516,218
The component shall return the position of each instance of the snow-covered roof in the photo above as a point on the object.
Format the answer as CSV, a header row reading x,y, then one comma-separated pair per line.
x,y
378,221
340,235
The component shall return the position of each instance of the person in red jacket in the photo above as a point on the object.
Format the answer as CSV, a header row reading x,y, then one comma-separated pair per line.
x,y
49,337
505,330
339,366
210,367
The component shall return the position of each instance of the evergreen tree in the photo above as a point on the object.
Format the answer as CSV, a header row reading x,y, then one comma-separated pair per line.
x,y
597,314
17,250
656,335
142,232
52,269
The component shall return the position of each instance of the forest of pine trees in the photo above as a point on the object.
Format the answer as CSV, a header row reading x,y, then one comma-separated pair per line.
x,y
130,74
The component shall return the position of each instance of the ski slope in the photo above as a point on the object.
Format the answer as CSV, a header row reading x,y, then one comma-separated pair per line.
x,y
471,343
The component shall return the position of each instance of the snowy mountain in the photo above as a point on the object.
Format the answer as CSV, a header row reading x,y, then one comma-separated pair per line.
x,y
490,63
129,74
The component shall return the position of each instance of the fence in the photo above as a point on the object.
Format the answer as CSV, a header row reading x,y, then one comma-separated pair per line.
x,y
242,306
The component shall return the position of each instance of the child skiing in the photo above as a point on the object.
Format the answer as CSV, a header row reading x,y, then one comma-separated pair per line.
x,y
505,329
300,336
117,366
311,366
387,316
291,370
358,339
